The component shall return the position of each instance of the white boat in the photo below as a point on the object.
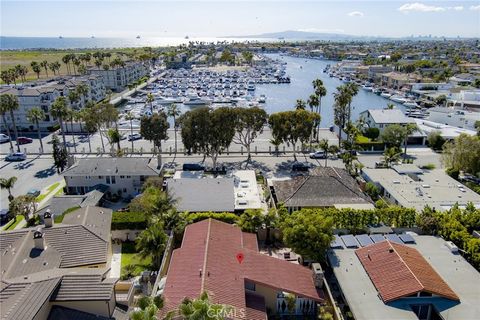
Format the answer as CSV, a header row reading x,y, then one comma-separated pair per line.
x,y
385,95
196,101
410,104
367,87
398,98
262,98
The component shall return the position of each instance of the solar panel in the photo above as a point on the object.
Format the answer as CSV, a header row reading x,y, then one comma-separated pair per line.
x,y
349,241
337,242
394,238
377,238
405,237
364,240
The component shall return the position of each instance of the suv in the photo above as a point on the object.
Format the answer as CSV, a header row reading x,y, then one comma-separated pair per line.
x,y
193,167
318,155
300,167
135,136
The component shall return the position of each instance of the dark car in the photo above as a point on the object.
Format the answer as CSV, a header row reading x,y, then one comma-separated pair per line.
x,y
24,140
300,167
193,167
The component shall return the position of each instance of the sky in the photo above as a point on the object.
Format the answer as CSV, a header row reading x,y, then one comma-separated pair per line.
x,y
127,18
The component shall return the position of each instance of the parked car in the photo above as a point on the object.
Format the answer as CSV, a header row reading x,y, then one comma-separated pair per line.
x,y
33,192
300,166
193,167
135,136
4,138
318,155
17,156
24,140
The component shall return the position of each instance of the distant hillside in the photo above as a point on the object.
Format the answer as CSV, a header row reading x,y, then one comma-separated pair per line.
x,y
303,35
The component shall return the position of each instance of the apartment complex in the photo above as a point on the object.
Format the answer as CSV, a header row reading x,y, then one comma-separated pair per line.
x,y
118,78
43,94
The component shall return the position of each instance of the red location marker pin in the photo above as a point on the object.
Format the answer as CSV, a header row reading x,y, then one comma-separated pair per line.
x,y
240,257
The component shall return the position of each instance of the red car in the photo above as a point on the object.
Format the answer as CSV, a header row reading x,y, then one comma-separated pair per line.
x,y
24,140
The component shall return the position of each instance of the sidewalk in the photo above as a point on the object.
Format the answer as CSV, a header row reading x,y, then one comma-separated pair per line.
x,y
116,262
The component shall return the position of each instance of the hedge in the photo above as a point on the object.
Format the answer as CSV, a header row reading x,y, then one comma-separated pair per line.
x,y
129,221
227,217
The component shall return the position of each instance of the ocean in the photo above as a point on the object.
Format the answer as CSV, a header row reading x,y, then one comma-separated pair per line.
x,y
24,43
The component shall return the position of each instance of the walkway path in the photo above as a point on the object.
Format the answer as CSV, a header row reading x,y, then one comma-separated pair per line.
x,y
116,263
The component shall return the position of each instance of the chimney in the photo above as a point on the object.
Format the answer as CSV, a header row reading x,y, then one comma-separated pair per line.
x,y
317,275
48,219
38,239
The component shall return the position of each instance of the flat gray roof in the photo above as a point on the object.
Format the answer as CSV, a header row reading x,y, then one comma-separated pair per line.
x,y
113,167
388,116
365,303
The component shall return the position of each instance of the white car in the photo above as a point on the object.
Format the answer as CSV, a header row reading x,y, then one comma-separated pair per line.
x,y
4,138
318,155
17,156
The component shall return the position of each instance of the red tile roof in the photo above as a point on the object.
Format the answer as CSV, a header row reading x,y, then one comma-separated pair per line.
x,y
207,262
398,271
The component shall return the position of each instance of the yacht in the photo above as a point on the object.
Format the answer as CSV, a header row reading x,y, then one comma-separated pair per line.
x,y
398,98
195,101
262,98
386,95
138,37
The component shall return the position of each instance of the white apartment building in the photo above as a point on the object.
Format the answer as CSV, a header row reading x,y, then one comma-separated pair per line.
x,y
121,176
116,79
43,94
454,117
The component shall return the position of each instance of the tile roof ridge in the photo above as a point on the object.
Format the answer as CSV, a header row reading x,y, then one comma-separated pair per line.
x,y
403,261
299,187
205,257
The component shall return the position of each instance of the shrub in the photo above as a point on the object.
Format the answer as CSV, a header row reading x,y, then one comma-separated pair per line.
x,y
222,216
372,133
453,173
53,128
129,220
381,204
372,190
428,166
435,140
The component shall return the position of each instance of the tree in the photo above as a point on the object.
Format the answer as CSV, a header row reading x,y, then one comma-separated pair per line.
x,y
390,156
36,68
249,124
154,129
292,127
8,183
130,117
250,220
59,109
151,243
435,140
300,104
410,128
308,233
371,133
208,131
44,64
82,90
372,190
342,107
23,205
114,138
35,115
9,103
202,308
59,154
148,308
320,92
4,108
325,148
463,154
173,111
394,135
150,99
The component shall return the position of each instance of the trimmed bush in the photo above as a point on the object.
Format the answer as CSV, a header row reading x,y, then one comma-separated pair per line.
x,y
222,216
129,221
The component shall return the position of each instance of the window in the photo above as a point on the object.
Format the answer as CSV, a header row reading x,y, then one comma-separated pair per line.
x,y
249,286
142,178
113,180
122,177
100,177
107,178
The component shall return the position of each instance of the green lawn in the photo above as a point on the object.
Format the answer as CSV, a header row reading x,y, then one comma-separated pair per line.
x,y
11,226
131,257
49,190
363,139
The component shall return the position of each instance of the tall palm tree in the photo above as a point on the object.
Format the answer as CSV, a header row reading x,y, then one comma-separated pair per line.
x,y
9,103
66,60
44,64
151,243
320,92
8,183
3,111
150,99
410,129
36,68
59,110
35,115
82,91
313,102
80,116
300,104
71,116
173,111
130,117
390,156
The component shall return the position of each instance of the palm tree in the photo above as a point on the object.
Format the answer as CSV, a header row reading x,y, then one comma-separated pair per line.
x,y
35,115
44,64
313,102
36,68
82,91
59,110
201,308
320,92
151,243
3,112
130,117
71,116
80,116
325,148
390,156
8,183
9,103
300,104
148,308
410,129
174,112
150,99
66,60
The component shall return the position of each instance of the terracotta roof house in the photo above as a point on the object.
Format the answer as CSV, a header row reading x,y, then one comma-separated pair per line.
x,y
61,267
206,262
324,187
419,279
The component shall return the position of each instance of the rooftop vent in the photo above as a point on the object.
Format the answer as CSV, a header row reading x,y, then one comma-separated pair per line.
x,y
48,219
